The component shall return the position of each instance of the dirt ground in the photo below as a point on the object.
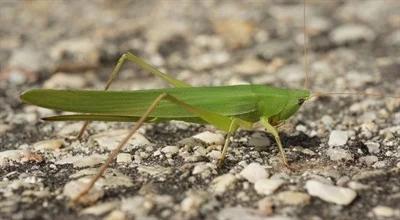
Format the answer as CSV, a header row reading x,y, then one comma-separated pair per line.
x,y
344,150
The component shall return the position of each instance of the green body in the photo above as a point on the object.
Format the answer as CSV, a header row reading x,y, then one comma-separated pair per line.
x,y
247,102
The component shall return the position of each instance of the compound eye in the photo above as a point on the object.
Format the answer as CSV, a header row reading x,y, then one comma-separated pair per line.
x,y
301,101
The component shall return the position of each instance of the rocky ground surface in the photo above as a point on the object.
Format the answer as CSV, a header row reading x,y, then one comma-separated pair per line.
x,y
344,151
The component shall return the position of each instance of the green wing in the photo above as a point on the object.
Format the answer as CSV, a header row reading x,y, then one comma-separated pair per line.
x,y
225,100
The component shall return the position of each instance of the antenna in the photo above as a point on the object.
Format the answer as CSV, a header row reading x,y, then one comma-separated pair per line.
x,y
306,68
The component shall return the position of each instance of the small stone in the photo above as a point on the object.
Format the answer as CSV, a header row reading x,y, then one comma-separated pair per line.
x,y
10,155
236,33
100,209
65,80
170,150
329,193
254,172
383,211
137,206
80,161
250,66
116,215
373,147
4,128
221,183
259,141
293,198
267,186
351,33
338,138
124,158
369,160
200,168
79,51
48,145
266,206
155,170
192,203
27,59
215,154
357,185
75,187
338,154
110,139
210,138
240,213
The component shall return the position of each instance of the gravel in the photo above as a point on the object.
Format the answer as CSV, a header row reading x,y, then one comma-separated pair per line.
x,y
343,151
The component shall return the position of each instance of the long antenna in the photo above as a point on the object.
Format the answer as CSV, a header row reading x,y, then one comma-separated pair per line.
x,y
377,95
306,67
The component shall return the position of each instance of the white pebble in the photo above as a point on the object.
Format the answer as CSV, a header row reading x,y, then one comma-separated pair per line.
x,y
124,158
170,150
48,145
254,172
337,154
293,198
10,155
73,188
338,138
80,161
329,193
267,186
383,211
373,147
210,138
221,183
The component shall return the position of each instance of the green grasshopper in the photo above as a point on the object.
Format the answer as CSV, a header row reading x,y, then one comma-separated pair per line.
x,y
228,108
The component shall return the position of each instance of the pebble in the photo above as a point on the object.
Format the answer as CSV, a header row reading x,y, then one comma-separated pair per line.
x,y
27,59
73,188
250,66
254,172
210,138
4,128
110,139
10,155
235,32
267,186
155,170
116,215
48,145
170,150
100,209
293,198
383,211
200,168
192,202
357,185
338,138
241,213
338,154
351,33
259,141
221,183
124,158
215,154
80,161
137,206
373,147
65,81
329,193
369,160
266,206
82,51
